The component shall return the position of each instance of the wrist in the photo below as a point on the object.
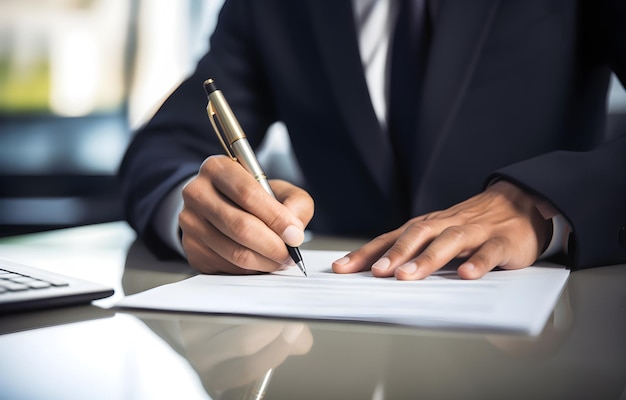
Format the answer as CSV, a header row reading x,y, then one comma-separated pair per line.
x,y
536,210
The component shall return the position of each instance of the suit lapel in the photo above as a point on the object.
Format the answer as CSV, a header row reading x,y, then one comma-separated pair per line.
x,y
459,32
338,46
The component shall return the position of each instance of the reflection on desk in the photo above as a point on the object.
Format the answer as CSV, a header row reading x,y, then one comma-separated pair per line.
x,y
580,355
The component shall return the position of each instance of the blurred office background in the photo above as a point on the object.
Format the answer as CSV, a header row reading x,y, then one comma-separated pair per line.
x,y
76,77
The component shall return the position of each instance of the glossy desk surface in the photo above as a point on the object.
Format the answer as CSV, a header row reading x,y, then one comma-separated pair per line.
x,y
95,352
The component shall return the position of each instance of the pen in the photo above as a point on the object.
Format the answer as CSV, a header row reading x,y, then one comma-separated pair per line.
x,y
258,390
234,139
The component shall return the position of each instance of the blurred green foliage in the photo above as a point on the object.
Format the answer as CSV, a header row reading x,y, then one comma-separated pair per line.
x,y
24,91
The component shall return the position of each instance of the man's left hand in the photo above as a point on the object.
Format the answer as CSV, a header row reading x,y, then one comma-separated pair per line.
x,y
499,227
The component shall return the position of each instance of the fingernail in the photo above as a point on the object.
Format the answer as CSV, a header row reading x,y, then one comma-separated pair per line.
x,y
469,267
293,236
382,265
469,270
342,261
409,268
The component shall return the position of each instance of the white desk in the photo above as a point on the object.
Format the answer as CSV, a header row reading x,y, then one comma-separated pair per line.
x,y
91,352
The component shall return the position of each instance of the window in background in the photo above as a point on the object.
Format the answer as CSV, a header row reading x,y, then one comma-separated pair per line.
x,y
76,77
63,67
63,125
170,38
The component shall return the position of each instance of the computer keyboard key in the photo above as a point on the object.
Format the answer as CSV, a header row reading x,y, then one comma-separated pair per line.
x,y
57,282
10,276
23,279
12,286
35,284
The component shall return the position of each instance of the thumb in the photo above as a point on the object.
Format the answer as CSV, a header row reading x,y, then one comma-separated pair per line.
x,y
296,199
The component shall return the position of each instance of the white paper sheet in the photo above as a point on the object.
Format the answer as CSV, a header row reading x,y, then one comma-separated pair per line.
x,y
502,301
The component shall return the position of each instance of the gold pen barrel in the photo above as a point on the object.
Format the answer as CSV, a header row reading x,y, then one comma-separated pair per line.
x,y
234,137
245,155
225,116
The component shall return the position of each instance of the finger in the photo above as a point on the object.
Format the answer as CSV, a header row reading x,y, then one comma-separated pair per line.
x,y
490,255
362,258
216,207
207,261
240,187
295,199
246,242
209,251
417,235
453,242
497,252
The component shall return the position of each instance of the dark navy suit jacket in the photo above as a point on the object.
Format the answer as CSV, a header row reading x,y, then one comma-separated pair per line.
x,y
512,89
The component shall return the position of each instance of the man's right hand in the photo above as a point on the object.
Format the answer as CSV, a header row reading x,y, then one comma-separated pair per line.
x,y
231,225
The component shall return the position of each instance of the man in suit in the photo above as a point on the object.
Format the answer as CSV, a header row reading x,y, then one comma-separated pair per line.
x,y
493,151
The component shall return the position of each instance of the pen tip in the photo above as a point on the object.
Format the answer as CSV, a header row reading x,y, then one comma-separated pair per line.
x,y
302,268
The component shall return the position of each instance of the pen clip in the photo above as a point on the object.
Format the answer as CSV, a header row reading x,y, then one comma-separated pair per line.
x,y
213,116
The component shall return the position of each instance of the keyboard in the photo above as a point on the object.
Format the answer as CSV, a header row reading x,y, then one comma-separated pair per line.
x,y
24,287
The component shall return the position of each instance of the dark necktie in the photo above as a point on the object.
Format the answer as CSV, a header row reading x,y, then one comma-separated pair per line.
x,y
408,55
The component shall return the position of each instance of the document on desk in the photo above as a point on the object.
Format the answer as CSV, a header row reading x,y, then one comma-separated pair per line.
x,y
502,301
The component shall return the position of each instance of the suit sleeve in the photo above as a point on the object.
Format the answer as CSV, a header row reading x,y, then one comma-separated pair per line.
x,y
588,188
172,145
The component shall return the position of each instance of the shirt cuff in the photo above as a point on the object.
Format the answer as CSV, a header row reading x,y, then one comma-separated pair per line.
x,y
166,218
560,230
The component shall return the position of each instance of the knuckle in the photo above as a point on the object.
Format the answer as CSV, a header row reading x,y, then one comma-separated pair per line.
x,y
430,216
396,251
491,254
240,226
465,215
242,257
428,257
276,222
212,165
309,206
190,191
251,196
421,229
183,218
185,221
499,243
197,258
455,233
309,198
